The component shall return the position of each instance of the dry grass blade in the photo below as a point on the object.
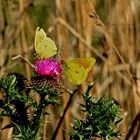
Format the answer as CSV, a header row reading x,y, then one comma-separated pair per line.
x,y
107,30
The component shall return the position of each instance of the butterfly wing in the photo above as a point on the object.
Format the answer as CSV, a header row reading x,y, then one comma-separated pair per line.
x,y
86,62
75,73
77,69
44,46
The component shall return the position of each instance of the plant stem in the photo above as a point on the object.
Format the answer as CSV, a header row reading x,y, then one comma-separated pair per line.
x,y
63,115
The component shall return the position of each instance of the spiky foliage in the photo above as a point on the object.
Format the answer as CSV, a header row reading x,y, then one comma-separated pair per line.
x,y
18,101
102,117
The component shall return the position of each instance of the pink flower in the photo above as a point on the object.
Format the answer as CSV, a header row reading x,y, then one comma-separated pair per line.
x,y
48,67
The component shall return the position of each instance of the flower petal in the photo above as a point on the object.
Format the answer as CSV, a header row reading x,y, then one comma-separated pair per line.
x,y
48,67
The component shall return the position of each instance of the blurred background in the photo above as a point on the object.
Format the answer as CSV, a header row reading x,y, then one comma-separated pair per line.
x,y
108,30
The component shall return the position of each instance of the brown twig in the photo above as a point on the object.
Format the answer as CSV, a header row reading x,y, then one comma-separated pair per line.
x,y
25,60
63,115
78,35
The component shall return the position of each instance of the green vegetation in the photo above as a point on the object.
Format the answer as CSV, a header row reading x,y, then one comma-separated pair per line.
x,y
102,118
25,112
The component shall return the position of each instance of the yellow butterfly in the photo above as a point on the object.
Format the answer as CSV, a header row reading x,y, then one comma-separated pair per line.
x,y
77,69
44,46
